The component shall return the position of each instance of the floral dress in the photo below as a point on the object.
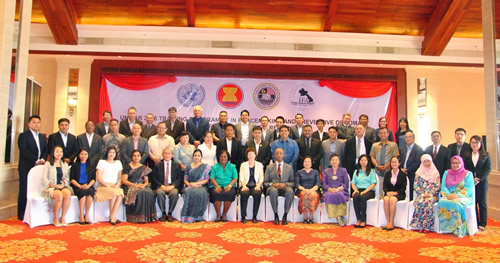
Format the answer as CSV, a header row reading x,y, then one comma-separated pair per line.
x,y
423,217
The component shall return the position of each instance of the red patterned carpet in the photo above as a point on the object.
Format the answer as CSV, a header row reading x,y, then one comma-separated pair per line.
x,y
235,242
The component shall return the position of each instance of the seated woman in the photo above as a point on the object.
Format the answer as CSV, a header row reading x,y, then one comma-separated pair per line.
x,y
196,193
336,190
82,177
55,185
223,188
208,149
251,180
363,185
394,190
307,181
183,151
427,187
109,173
139,198
456,195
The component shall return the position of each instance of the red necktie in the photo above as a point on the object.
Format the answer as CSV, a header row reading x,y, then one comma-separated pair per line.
x,y
279,171
434,154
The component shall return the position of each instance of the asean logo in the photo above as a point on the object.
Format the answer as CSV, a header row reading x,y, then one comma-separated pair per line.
x,y
230,95
266,96
190,95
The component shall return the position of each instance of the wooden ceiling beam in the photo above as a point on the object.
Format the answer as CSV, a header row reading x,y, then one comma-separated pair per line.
x,y
332,10
190,13
61,18
442,25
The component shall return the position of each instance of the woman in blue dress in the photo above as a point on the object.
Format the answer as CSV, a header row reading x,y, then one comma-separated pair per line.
x,y
196,193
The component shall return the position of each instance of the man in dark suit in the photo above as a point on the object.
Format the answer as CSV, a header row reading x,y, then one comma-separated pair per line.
x,y
134,142
296,131
410,158
66,140
197,126
244,128
91,142
331,146
218,128
267,133
174,126
461,147
231,145
355,147
126,125
346,131
369,131
168,179
149,129
103,127
33,150
440,154
263,148
309,146
279,181
278,123
320,134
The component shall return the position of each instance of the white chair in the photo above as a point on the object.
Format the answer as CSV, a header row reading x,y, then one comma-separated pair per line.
x,y
299,218
231,213
261,216
324,213
470,216
37,211
402,210
281,209
101,212
371,209
176,214
158,210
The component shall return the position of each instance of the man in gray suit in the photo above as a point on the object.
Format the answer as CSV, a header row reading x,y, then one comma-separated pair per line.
x,y
244,128
149,129
134,142
345,130
91,142
279,181
267,133
369,131
296,130
331,146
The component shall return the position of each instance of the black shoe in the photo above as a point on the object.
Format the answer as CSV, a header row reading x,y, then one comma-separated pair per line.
x,y
254,220
170,218
306,221
243,220
276,219
163,218
284,221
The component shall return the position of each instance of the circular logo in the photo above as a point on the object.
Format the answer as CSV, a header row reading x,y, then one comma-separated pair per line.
x,y
229,95
190,95
266,96
302,96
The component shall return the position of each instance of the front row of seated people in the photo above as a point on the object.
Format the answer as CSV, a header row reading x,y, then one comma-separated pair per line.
x,y
203,183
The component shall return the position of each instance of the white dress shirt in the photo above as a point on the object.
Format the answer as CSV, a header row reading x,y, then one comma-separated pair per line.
x,y
245,133
64,138
90,137
35,135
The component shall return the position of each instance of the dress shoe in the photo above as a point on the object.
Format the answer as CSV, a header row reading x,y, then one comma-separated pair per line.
x,y
163,218
284,220
276,220
243,220
254,220
170,218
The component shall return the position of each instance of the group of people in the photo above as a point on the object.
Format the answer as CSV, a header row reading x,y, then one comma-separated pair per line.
x,y
133,163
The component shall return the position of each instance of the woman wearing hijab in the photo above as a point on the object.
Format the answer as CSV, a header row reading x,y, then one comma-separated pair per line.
x,y
427,188
456,194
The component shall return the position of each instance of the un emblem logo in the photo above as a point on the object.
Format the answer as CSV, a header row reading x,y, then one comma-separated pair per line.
x,y
190,95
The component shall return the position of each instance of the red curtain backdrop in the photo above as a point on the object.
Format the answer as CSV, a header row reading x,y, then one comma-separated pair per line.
x,y
130,82
363,89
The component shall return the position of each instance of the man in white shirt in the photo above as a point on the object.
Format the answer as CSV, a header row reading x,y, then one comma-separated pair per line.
x,y
267,133
103,127
244,128
355,147
126,125
66,140
158,143
296,130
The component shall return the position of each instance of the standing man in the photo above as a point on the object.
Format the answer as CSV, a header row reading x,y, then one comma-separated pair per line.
x,y
113,138
345,130
289,147
410,158
91,142
382,153
309,146
66,140
441,155
244,128
296,130
320,134
126,125
331,146
279,181
149,129
231,145
158,143
461,147
369,131
278,123
33,150
174,126
197,126
355,147
218,128
135,142
262,148
103,127
267,133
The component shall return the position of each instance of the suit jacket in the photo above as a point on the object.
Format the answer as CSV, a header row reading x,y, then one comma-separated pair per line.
x,y
276,135
245,173
235,156
413,160
176,132
465,153
125,127
49,176
218,130
400,185
70,151
264,155
74,173
315,152
294,132
158,178
482,169
271,175
95,150
127,148
239,135
325,135
148,133
197,133
345,133
339,149
371,133
100,129
269,136
349,159
442,161
28,151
